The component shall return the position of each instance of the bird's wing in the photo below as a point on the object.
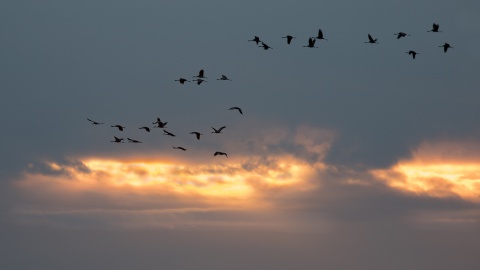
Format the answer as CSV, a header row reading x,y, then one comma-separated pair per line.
x,y
220,129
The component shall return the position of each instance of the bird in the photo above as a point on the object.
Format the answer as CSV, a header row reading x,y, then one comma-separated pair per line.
x,y
95,122
220,153
159,123
445,47
371,40
119,127
182,80
289,38
180,148
311,43
133,141
197,134
147,129
218,131
256,39
223,78
201,74
412,53
265,46
168,133
320,35
236,108
117,140
435,28
401,34
199,81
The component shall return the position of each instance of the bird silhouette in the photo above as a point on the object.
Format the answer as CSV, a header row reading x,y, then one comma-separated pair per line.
x,y
147,129
117,140
197,134
265,46
412,53
445,46
168,133
95,122
401,34
119,127
289,38
218,131
371,40
223,78
182,80
201,74
220,153
311,43
236,108
320,35
435,28
179,148
133,141
159,123
199,81
256,39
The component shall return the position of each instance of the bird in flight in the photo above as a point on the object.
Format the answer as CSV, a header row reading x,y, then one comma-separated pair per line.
x,y
179,148
371,40
168,133
119,127
159,123
256,39
289,38
445,47
197,134
133,141
95,122
435,28
199,81
218,131
311,43
236,108
147,129
223,78
201,74
117,140
220,153
320,35
265,46
412,53
182,80
401,34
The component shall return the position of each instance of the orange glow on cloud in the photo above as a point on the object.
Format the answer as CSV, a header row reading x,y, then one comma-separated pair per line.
x,y
438,170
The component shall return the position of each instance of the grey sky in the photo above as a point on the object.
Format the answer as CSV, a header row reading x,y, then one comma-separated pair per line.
x,y
116,62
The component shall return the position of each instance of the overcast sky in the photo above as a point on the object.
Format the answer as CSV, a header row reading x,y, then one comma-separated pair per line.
x,y
347,156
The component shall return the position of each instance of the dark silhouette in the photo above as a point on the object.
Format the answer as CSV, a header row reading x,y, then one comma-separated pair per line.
x,y
256,39
435,28
197,134
401,34
119,127
168,133
133,141
201,74
117,140
445,47
236,108
182,80
160,124
223,78
289,38
371,40
146,128
412,53
320,35
218,131
179,148
311,43
199,81
220,153
265,46
95,122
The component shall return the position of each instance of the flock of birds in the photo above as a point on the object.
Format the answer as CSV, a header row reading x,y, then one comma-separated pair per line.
x,y
371,40
200,78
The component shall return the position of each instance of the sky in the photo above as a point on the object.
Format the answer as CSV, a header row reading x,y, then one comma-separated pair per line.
x,y
347,156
